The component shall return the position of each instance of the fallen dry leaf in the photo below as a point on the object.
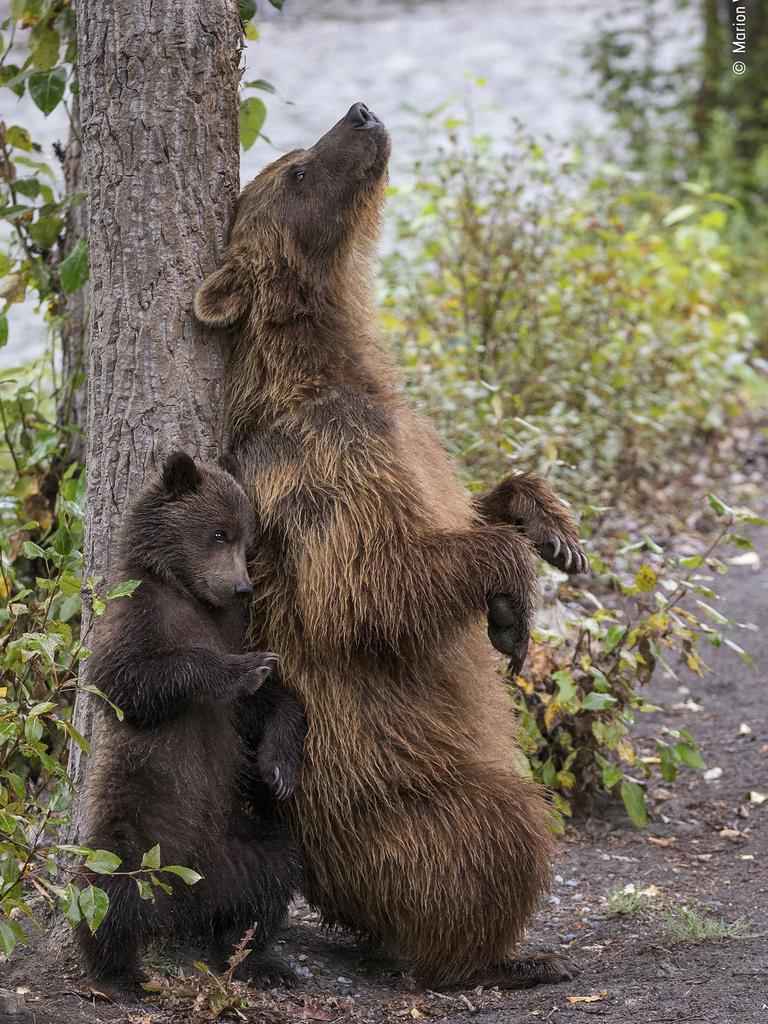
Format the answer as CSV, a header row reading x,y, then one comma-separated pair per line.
x,y
308,1013
588,999
665,841
731,833
100,997
651,890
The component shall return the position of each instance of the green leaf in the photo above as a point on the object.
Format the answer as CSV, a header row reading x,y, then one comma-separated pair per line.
x,y
69,899
124,589
612,774
690,756
73,271
31,550
94,904
719,507
45,230
601,683
29,187
186,874
633,796
151,858
19,138
45,50
679,213
669,760
146,892
566,687
103,862
247,9
3,329
252,116
100,693
77,736
47,88
10,934
597,701
260,83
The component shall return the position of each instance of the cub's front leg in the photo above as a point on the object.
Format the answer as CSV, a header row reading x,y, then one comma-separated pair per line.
x,y
529,503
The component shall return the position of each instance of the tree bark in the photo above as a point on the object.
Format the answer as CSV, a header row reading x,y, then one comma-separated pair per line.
x,y
158,106
71,408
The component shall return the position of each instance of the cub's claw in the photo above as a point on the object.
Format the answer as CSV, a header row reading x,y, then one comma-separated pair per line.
x,y
279,773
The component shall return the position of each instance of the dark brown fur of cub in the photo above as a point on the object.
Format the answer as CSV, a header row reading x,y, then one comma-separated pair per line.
x,y
173,658
372,572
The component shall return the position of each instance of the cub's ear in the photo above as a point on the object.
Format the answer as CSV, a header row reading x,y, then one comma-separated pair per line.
x,y
230,465
222,298
181,475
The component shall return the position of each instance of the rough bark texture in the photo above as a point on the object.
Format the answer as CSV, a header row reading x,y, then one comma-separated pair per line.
x,y
158,82
71,412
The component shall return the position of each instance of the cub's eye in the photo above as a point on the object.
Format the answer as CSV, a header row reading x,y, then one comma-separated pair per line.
x,y
220,537
299,175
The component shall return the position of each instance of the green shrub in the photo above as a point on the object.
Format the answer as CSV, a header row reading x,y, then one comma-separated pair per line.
x,y
594,333
578,695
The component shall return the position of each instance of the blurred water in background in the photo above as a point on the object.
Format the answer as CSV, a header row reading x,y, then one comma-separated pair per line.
x,y
398,57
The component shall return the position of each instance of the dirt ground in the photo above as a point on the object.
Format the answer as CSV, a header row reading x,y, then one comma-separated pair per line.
x,y
707,843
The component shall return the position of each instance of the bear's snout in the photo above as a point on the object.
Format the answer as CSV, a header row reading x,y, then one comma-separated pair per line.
x,y
361,118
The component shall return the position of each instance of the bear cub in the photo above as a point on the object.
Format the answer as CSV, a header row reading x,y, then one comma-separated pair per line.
x,y
176,771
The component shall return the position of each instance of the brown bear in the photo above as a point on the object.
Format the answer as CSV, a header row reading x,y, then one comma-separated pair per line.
x,y
174,771
372,573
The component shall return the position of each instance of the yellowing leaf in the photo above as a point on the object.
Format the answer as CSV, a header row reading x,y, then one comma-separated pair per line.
x,y
588,999
645,579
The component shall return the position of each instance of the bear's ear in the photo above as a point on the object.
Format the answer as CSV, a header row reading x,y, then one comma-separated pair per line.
x,y
222,298
230,465
180,474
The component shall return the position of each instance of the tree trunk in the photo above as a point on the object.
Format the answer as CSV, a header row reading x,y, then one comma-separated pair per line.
x,y
71,408
158,106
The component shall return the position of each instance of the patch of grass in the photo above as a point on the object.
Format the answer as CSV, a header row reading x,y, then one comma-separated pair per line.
x,y
627,901
690,923
160,961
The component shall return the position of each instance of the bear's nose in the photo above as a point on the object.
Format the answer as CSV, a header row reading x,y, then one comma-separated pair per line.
x,y
244,587
360,117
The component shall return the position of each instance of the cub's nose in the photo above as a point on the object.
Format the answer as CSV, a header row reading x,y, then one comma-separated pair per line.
x,y
360,117
244,587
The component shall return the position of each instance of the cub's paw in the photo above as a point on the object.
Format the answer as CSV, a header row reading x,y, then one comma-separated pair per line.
x,y
508,630
259,667
566,554
279,770
122,988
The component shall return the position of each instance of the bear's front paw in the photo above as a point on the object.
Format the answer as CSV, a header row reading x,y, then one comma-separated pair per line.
x,y
564,553
508,630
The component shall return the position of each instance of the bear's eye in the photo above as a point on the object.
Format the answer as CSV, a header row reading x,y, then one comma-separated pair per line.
x,y
299,175
220,537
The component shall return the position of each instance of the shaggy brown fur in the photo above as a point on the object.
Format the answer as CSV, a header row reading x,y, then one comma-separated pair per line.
x,y
372,575
173,658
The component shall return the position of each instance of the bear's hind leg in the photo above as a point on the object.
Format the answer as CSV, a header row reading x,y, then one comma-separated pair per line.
x,y
522,972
